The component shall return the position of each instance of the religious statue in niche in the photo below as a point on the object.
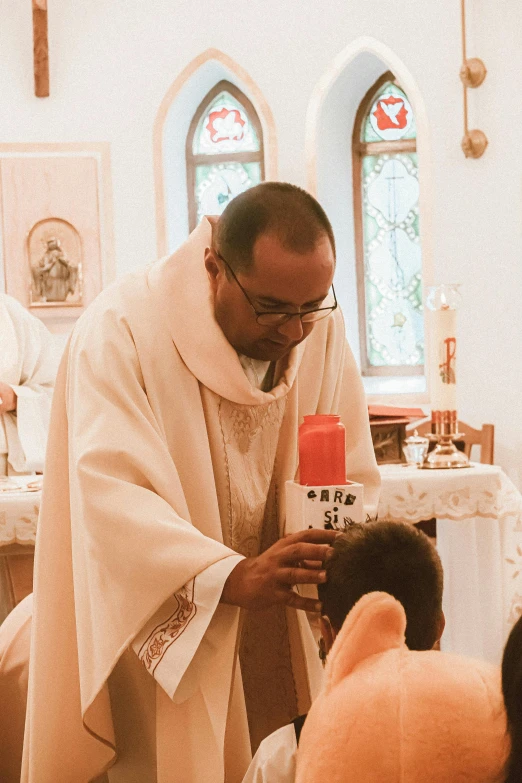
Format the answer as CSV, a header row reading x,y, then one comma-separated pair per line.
x,y
54,249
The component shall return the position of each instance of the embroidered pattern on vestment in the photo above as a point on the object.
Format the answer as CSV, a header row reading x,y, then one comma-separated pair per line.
x,y
166,633
250,436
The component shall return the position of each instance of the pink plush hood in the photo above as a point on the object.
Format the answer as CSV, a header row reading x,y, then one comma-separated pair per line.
x,y
390,715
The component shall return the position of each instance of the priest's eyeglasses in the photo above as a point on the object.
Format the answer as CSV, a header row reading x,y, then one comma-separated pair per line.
x,y
265,318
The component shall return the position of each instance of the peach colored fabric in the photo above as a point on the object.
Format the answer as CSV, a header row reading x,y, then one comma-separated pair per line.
x,y
130,511
389,715
15,635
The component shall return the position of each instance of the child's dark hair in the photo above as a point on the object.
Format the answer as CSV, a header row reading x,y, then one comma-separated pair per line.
x,y
394,558
512,690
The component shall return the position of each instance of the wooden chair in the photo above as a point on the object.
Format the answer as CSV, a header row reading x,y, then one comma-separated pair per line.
x,y
484,438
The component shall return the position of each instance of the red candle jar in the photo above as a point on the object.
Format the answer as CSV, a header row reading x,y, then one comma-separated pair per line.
x,y
322,451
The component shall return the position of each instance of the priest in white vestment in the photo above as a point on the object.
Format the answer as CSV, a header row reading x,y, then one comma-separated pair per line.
x,y
166,634
27,374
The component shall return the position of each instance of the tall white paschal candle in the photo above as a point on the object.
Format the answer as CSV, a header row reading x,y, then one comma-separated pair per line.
x,y
443,368
442,319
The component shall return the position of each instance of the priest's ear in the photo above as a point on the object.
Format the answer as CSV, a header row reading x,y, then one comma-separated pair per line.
x,y
213,266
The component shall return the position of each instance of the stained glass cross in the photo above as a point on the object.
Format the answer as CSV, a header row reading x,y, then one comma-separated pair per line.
x,y
392,200
392,193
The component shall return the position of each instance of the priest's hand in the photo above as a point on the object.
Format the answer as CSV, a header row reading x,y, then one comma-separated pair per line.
x,y
8,398
266,580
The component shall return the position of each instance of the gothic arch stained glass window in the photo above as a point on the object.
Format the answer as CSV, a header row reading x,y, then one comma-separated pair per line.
x,y
388,252
224,151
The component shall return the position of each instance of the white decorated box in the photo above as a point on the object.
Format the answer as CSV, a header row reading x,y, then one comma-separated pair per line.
x,y
326,508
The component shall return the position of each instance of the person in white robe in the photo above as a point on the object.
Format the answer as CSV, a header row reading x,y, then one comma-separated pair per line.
x,y
27,374
166,634
274,761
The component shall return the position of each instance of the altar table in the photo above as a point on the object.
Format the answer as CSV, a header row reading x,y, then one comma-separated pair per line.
x,y
18,517
479,539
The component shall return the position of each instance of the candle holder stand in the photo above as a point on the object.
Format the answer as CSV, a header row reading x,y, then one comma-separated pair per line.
x,y
445,432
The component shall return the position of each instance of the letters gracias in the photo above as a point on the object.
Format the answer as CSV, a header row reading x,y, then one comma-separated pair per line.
x,y
334,518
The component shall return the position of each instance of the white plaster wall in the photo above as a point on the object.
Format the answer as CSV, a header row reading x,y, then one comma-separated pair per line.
x,y
175,129
333,149
112,63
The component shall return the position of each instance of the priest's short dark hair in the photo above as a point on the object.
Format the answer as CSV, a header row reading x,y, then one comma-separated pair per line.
x,y
290,213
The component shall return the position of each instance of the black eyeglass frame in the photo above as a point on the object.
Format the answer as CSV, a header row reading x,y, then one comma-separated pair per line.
x,y
288,316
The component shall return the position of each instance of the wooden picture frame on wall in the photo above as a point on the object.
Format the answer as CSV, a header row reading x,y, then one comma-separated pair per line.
x,y
56,227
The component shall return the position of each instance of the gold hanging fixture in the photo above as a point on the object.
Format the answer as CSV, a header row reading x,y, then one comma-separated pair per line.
x,y
472,74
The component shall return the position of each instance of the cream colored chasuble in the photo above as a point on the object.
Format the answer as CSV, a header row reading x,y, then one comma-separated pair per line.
x,y
164,465
243,441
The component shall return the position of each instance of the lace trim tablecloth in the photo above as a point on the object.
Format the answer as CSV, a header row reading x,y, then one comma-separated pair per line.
x,y
406,494
483,491
19,514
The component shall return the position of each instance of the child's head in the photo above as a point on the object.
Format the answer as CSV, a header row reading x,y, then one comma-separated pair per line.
x,y
389,557
512,690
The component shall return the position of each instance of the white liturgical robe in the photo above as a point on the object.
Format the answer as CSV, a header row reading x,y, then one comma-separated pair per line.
x,y
274,761
27,365
165,466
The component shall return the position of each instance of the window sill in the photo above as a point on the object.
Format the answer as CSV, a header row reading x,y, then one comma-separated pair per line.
x,y
390,390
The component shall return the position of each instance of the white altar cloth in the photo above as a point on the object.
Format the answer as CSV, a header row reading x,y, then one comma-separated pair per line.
x,y
479,538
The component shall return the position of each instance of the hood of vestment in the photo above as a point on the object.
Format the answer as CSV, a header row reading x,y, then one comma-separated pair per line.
x,y
182,290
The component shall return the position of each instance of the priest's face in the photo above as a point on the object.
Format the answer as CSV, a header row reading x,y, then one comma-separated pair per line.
x,y
279,280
